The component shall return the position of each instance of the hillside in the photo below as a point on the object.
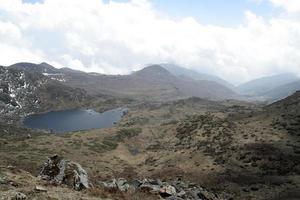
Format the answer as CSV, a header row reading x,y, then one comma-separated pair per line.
x,y
34,68
261,86
192,74
157,77
27,91
184,146
153,82
28,88
283,91
290,104
287,113
235,149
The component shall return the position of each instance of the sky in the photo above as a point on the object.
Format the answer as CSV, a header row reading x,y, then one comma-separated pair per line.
x,y
237,40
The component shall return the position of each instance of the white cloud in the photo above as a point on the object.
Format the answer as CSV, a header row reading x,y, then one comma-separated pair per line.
x,y
117,38
289,5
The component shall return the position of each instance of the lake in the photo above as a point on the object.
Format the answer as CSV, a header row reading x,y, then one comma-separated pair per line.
x,y
74,120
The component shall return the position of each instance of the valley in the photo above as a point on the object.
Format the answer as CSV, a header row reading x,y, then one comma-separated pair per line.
x,y
199,132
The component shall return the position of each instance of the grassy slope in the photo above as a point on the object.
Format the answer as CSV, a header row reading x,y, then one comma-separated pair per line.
x,y
233,149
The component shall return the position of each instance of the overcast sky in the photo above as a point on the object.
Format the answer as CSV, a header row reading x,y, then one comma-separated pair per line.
x,y
237,40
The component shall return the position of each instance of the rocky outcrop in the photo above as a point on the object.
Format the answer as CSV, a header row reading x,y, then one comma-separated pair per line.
x,y
28,88
175,190
18,91
60,171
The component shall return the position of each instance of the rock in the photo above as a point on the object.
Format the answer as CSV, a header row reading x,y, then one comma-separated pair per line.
x,y
153,181
168,190
20,196
122,184
40,189
151,185
109,184
147,187
176,190
10,167
61,171
173,198
3,181
135,184
181,193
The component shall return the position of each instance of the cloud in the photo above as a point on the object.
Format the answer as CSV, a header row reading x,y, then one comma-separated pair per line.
x,y
289,5
117,38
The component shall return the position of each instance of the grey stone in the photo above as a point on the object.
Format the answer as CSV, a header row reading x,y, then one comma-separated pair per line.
x,y
3,180
176,190
108,184
135,184
168,189
40,189
20,196
122,184
150,187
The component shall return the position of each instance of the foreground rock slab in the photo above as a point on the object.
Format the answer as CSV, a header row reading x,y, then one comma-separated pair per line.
x,y
60,171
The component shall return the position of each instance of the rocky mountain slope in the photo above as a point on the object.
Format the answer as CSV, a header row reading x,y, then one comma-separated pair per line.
x,y
166,82
153,82
28,88
27,91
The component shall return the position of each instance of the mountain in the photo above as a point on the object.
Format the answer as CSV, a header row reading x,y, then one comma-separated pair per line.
x,y
283,91
34,68
153,82
261,86
156,78
18,88
188,73
23,90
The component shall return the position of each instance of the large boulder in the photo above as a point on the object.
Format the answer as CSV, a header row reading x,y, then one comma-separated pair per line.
x,y
61,171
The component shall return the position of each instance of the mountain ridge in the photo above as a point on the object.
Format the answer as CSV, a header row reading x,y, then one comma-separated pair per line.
x,y
154,82
181,71
261,86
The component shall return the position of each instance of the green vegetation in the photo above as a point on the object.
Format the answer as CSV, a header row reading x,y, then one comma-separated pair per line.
x,y
110,143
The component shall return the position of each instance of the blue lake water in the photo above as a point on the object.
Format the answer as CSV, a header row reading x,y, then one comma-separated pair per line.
x,y
74,120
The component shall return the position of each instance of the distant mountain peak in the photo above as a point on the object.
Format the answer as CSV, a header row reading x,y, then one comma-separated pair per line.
x,y
262,86
23,65
32,67
44,64
155,70
179,71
